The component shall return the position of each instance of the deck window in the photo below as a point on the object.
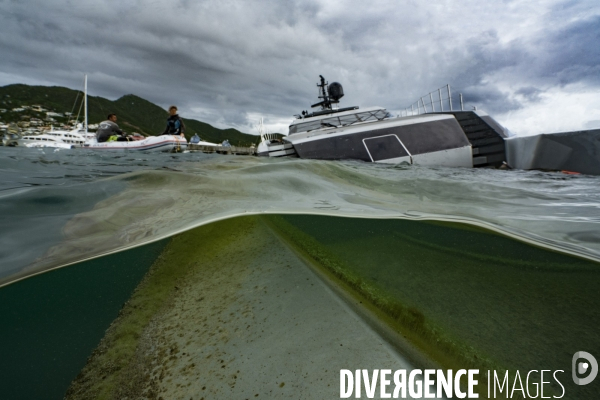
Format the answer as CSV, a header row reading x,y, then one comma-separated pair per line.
x,y
343,120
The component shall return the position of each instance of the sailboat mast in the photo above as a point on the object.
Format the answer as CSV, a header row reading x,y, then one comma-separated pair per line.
x,y
261,130
85,110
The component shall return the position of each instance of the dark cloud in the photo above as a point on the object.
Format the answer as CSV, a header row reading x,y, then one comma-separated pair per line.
x,y
228,62
572,54
490,98
530,93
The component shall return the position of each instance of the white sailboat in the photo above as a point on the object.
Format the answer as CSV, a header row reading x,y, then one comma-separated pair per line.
x,y
80,135
59,139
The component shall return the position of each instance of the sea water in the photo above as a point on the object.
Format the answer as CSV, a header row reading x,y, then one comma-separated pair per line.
x,y
50,324
58,208
62,207
498,303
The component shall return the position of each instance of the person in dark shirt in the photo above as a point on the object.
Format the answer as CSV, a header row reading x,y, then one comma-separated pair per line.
x,y
109,128
175,125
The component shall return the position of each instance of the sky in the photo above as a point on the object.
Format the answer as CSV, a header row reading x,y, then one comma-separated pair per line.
x,y
532,65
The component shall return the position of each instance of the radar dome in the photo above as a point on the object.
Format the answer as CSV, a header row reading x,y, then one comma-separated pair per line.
x,y
336,91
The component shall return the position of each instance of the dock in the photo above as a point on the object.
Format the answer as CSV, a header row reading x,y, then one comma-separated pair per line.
x,y
237,150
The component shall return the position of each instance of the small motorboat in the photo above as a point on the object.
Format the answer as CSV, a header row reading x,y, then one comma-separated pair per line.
x,y
272,146
152,143
197,140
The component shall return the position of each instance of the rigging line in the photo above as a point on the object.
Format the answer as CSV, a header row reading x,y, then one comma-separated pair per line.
x,y
80,105
79,112
75,104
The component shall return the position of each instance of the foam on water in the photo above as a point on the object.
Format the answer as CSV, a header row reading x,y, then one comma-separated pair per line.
x,y
57,208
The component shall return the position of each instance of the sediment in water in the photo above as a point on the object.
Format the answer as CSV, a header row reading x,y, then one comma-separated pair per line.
x,y
228,310
467,297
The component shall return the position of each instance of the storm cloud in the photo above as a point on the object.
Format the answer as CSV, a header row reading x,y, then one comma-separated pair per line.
x,y
230,62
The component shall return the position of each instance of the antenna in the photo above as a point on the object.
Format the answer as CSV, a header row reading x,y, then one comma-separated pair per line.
x,y
324,104
331,94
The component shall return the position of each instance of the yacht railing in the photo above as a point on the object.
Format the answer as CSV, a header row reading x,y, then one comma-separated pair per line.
x,y
441,99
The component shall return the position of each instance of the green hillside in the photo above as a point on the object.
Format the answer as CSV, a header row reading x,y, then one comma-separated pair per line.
x,y
134,113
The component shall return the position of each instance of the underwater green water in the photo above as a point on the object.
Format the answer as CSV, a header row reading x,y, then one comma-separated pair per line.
x,y
518,305
49,324
521,307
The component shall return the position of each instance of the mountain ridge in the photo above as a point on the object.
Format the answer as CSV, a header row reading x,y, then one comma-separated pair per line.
x,y
132,112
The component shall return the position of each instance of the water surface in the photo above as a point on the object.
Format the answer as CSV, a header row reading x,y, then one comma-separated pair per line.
x,y
85,204
523,292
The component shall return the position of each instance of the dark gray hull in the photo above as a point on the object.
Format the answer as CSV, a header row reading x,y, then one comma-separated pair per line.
x,y
577,151
485,135
414,139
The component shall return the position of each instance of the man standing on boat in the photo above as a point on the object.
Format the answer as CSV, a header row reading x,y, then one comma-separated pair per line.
x,y
110,128
175,125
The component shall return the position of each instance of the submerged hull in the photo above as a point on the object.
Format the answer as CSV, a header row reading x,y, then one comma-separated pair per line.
x,y
156,143
425,140
577,151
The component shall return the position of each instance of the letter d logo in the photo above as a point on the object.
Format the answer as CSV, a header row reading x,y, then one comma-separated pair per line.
x,y
583,367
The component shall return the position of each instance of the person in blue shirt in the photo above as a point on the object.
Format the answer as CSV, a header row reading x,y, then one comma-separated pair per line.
x,y
175,125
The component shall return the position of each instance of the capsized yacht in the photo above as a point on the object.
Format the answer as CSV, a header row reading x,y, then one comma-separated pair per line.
x,y
374,135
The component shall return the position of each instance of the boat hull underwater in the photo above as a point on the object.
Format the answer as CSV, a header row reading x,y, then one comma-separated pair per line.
x,y
577,151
